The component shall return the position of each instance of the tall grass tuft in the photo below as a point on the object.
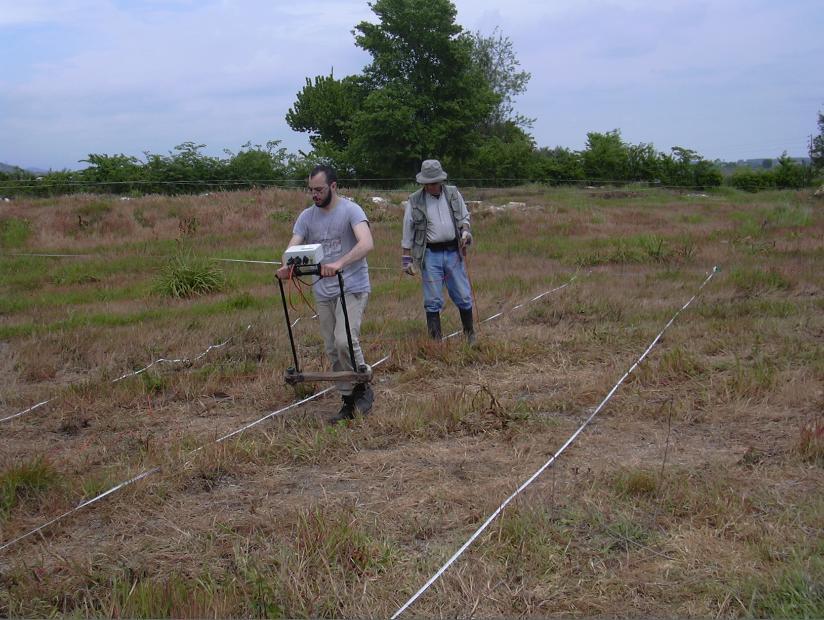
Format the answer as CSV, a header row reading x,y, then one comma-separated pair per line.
x,y
26,480
187,275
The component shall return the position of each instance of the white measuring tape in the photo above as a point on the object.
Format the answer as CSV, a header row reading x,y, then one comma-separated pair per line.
x,y
536,298
125,483
234,433
572,438
154,470
160,360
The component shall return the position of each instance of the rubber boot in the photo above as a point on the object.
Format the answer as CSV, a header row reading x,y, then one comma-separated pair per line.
x,y
468,328
347,410
433,325
363,397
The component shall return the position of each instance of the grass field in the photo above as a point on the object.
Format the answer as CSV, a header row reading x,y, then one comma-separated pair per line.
x,y
697,491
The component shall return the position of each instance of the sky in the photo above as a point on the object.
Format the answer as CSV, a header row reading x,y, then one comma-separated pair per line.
x,y
731,79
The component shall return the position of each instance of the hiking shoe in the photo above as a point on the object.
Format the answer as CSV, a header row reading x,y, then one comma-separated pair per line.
x,y
363,397
347,410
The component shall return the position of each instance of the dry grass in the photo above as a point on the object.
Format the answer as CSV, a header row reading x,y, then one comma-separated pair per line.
x,y
696,492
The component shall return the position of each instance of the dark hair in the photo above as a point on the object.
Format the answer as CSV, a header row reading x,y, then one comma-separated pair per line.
x,y
329,171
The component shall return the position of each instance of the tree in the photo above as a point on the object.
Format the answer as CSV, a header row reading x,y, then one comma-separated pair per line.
x,y
496,59
559,165
325,109
790,174
605,157
257,163
817,146
421,64
421,95
643,162
507,158
113,173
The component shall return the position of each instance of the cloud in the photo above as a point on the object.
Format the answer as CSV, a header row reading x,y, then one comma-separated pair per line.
x,y
14,13
86,76
193,67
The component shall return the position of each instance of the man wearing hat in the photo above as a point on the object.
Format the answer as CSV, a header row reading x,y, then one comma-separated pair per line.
x,y
435,236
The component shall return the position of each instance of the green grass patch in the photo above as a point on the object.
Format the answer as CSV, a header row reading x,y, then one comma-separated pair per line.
x,y
14,233
12,305
738,309
27,480
789,216
92,213
758,280
87,320
635,483
755,223
679,363
796,592
152,382
693,218
638,249
244,301
528,540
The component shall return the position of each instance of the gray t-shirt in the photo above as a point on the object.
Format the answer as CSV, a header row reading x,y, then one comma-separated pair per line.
x,y
334,230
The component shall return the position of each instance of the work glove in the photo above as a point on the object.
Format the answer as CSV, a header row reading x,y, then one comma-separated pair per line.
x,y
466,238
408,265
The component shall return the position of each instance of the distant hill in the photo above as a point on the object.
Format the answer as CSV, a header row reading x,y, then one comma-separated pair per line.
x,y
762,163
10,168
765,162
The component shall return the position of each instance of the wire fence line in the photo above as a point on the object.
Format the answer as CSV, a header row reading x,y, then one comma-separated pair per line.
x,y
376,183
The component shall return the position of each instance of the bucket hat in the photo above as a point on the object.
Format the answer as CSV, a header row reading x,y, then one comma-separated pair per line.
x,y
431,172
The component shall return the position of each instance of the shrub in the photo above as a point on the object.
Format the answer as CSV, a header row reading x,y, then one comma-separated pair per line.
x,y
751,180
187,275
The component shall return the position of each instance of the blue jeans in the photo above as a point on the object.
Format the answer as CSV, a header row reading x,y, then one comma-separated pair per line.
x,y
445,267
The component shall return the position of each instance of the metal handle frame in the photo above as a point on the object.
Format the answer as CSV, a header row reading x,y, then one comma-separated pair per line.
x,y
315,270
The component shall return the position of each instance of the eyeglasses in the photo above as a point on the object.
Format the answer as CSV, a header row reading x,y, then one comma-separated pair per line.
x,y
317,190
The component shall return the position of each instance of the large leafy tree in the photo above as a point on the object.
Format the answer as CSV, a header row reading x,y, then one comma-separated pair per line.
x,y
325,108
495,57
605,157
421,96
817,146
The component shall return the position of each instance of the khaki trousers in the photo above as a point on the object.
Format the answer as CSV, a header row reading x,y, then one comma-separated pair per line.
x,y
333,330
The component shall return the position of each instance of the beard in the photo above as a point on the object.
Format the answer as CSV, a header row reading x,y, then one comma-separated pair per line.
x,y
326,201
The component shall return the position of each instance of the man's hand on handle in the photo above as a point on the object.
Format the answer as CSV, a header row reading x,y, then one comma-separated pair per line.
x,y
330,270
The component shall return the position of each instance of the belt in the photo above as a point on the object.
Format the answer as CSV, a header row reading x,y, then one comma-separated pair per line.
x,y
442,246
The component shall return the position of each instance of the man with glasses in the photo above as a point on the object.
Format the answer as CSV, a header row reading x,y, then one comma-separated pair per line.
x,y
435,237
343,229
